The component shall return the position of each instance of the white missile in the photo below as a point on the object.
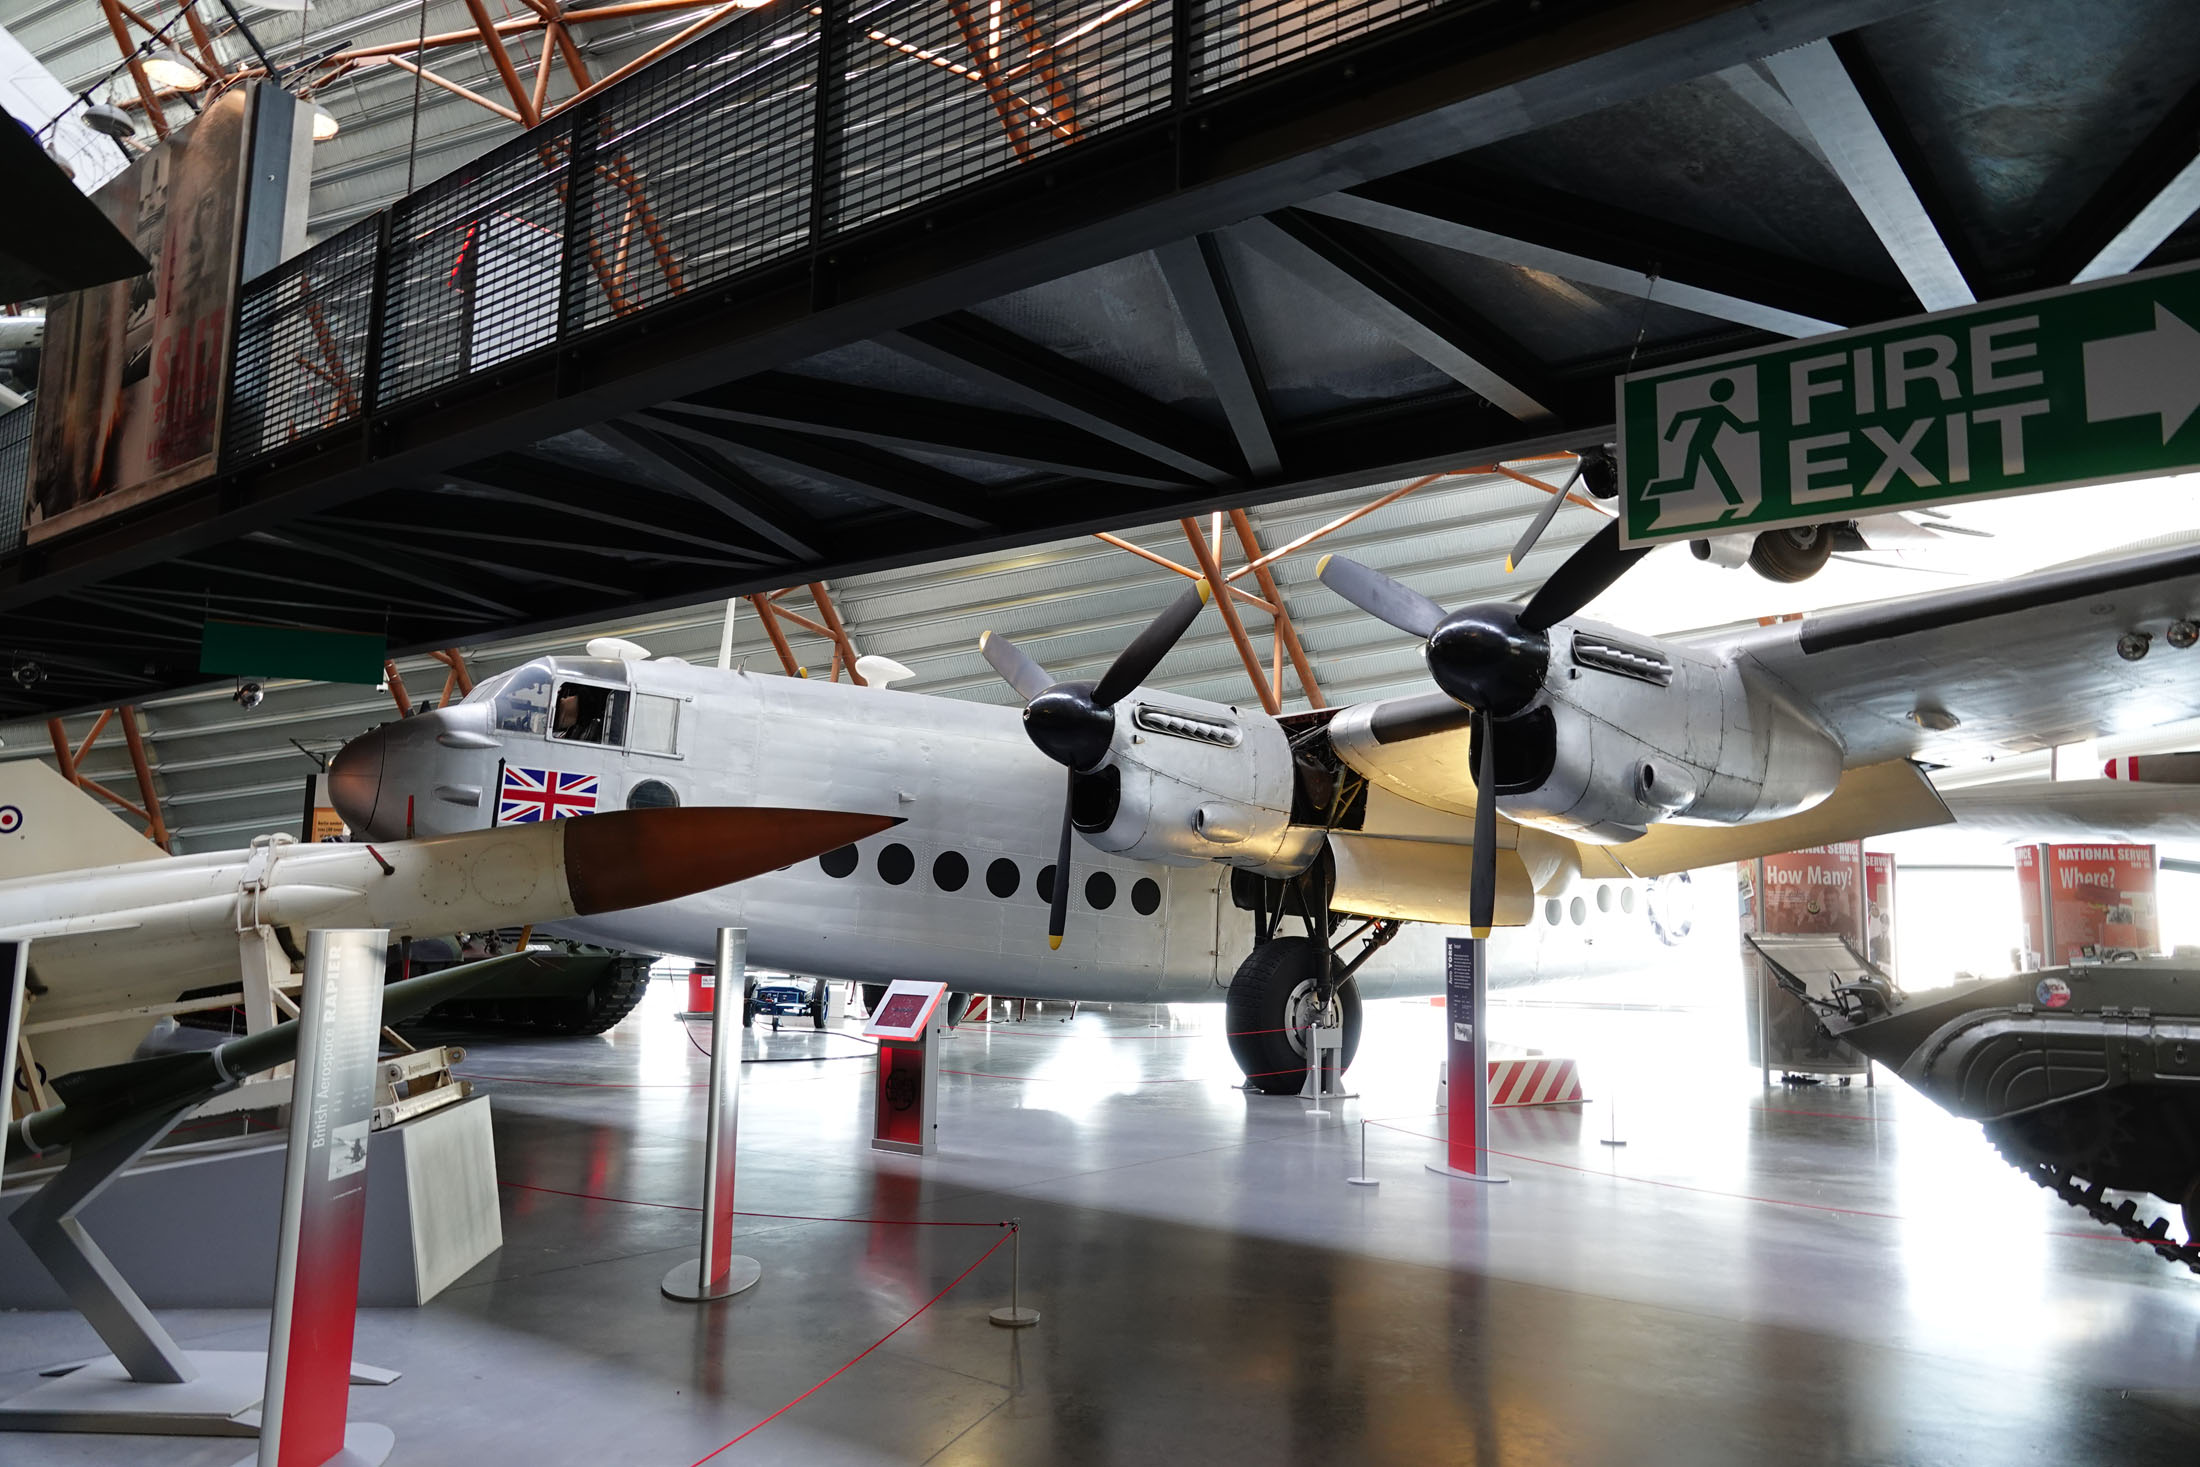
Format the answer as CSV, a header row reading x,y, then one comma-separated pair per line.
x,y
2154,769
120,941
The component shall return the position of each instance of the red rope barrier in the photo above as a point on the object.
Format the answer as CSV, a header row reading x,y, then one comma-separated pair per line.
x,y
874,1345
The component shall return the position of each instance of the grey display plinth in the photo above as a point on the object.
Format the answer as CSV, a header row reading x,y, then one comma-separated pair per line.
x,y
224,1399
195,1227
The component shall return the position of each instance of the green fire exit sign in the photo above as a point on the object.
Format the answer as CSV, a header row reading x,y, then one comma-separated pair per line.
x,y
2082,385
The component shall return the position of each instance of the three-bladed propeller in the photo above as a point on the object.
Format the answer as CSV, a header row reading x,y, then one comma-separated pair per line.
x,y
1073,723
1489,658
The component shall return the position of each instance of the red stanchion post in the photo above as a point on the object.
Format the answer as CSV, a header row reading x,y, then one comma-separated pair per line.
x,y
717,1272
1466,977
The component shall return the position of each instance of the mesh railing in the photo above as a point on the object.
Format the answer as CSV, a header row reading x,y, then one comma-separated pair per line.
x,y
705,164
15,472
302,331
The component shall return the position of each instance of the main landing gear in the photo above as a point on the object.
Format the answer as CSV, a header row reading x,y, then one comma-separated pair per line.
x,y
1288,986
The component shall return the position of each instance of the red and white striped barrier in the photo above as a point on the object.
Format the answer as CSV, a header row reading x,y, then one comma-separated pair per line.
x,y
1534,1082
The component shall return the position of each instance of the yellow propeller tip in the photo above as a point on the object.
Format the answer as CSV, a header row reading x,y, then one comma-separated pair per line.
x,y
1480,932
1054,942
983,638
1322,565
1206,592
1508,565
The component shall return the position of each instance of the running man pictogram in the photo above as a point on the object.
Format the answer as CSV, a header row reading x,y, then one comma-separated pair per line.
x,y
1700,450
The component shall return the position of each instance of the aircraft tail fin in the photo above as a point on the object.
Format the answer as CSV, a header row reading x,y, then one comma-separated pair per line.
x,y
47,824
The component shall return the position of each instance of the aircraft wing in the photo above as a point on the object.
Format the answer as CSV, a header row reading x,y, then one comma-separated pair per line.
x,y
2021,810
2021,664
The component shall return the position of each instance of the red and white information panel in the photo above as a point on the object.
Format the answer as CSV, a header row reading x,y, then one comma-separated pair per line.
x,y
1879,908
902,1112
302,1420
1814,892
1467,1049
2087,901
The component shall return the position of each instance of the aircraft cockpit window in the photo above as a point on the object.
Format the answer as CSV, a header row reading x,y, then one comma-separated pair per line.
x,y
587,714
523,703
656,724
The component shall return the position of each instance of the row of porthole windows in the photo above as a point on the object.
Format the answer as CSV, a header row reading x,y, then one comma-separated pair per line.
x,y
1576,910
896,864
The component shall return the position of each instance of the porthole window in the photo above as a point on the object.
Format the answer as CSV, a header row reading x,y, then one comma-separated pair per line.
x,y
1627,900
1100,891
1551,910
1001,878
651,794
950,871
1604,897
896,864
1044,884
1145,896
1578,910
839,863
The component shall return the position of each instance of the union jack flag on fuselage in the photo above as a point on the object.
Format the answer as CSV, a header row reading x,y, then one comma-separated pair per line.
x,y
531,795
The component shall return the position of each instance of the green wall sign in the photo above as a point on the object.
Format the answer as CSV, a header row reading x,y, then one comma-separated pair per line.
x,y
2083,385
249,650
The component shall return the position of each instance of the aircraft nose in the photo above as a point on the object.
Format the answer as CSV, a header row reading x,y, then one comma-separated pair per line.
x,y
355,779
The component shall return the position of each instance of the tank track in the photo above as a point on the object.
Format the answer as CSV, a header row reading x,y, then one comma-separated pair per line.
x,y
2092,1200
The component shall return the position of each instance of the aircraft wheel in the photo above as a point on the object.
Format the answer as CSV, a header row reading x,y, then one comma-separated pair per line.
x,y
1794,554
1271,1002
956,1004
873,995
820,1000
748,1003
2191,1210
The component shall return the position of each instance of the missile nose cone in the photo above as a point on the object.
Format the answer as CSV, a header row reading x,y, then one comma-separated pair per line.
x,y
355,780
635,858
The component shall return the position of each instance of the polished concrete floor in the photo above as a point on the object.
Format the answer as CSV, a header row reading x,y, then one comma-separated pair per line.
x,y
1830,1275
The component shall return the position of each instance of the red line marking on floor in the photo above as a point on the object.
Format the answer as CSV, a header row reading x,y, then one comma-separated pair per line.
x,y
882,1339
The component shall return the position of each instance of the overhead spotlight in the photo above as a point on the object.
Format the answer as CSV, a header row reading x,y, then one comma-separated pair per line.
x,y
169,72
2183,634
249,696
1599,472
325,125
2132,646
106,117
28,674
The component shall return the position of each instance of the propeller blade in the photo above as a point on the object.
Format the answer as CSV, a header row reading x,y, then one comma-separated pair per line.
x,y
1541,522
1015,666
1380,596
1135,663
1482,892
1058,913
1585,575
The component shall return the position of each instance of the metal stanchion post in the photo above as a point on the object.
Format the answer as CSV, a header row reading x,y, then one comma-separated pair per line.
x,y
1015,1316
1363,1179
718,1272
1613,1139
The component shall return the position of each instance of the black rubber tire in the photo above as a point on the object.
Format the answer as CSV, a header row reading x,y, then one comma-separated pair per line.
x,y
1255,1013
873,993
1791,555
820,1001
957,1003
617,994
748,1014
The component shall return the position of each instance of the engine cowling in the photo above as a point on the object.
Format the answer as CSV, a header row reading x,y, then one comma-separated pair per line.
x,y
1186,781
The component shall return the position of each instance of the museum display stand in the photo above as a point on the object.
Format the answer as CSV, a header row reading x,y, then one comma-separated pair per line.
x,y
294,1396
1467,1039
717,1272
906,1024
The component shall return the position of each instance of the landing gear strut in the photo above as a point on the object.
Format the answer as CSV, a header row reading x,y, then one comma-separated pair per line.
x,y
1288,986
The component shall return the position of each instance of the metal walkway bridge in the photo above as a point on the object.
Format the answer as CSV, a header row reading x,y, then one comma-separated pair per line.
x,y
863,283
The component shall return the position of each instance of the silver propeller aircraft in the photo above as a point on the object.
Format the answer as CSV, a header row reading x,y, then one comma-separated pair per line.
x,y
1208,830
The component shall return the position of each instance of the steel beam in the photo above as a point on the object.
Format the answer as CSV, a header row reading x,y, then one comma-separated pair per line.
x,y
1382,291
1018,371
710,480
1825,95
894,420
1196,278
901,484
1418,211
2137,207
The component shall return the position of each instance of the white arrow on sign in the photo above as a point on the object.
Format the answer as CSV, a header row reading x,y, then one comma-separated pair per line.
x,y
2145,373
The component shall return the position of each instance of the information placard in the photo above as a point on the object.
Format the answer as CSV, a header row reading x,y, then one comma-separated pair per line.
x,y
1467,1048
